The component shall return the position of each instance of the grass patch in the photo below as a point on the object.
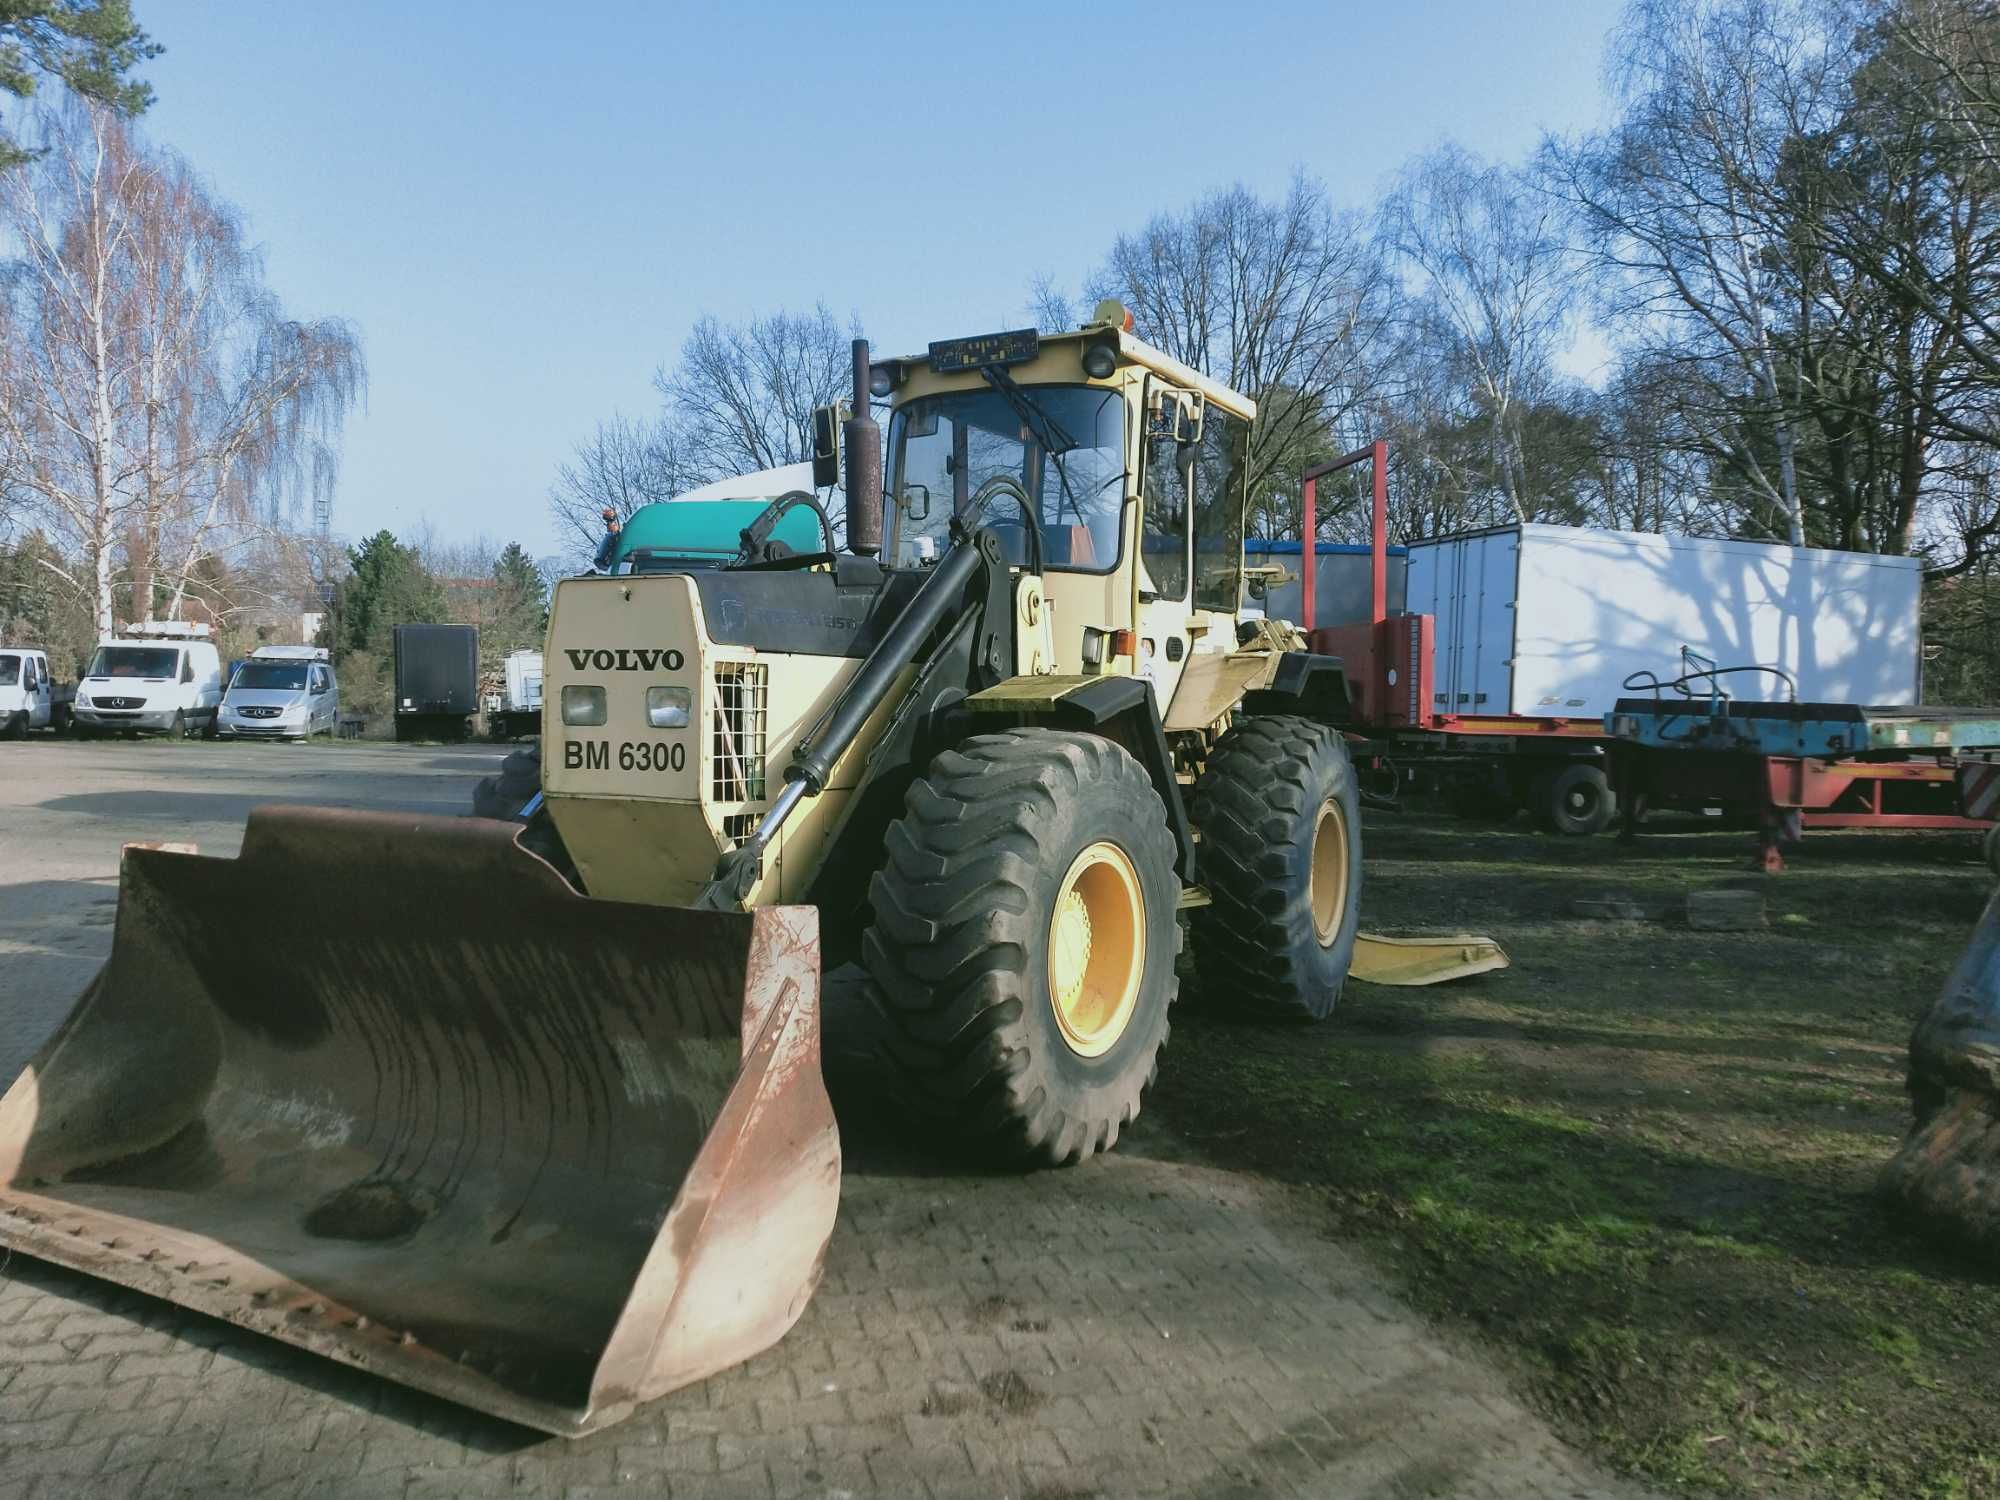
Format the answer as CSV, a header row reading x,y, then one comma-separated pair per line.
x,y
1641,1164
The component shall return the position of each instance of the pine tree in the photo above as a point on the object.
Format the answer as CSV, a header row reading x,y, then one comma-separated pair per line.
x,y
89,45
389,586
520,615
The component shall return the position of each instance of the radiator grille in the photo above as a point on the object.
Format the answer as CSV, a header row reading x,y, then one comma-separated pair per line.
x,y
741,693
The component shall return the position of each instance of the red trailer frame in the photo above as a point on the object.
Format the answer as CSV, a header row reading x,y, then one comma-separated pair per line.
x,y
1389,662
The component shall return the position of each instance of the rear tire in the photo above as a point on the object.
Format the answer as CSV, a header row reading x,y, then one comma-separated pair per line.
x,y
1280,821
1574,799
1023,941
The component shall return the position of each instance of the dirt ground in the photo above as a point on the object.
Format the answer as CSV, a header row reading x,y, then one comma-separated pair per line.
x,y
1149,1323
1641,1165
1628,1185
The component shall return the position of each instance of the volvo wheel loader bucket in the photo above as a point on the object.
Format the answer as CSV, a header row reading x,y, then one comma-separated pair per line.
x,y
388,1089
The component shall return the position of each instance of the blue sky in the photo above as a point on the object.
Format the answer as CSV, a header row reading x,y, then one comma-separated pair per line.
x,y
525,207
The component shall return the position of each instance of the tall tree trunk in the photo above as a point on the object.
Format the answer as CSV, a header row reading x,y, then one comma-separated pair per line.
x,y
106,424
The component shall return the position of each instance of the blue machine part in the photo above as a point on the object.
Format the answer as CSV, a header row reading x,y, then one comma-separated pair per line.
x,y
1822,731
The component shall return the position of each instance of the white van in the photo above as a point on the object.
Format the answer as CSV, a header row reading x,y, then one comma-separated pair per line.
x,y
280,693
26,694
164,679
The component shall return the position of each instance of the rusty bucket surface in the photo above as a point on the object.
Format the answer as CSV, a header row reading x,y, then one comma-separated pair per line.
x,y
387,1088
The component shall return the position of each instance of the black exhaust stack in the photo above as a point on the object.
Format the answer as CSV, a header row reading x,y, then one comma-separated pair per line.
x,y
863,441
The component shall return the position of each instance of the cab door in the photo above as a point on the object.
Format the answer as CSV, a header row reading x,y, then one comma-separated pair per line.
x,y
1166,539
322,711
35,682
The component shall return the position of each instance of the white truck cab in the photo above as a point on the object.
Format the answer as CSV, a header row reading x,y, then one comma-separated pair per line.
x,y
281,693
162,678
26,694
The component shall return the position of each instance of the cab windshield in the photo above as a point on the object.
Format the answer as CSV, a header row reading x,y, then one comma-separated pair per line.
x,y
10,671
270,676
996,456
155,662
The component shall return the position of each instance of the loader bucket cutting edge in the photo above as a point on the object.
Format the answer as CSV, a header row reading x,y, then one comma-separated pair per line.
x,y
388,1089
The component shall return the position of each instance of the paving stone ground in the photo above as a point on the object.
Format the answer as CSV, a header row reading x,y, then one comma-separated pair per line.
x,y
1144,1325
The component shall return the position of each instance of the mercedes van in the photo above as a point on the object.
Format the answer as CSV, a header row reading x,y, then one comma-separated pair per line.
x,y
164,678
280,693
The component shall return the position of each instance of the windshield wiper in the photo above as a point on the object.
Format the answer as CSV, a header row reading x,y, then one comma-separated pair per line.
x,y
1055,440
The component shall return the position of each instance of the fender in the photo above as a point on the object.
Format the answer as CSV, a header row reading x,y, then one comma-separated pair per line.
x,y
1308,684
1120,709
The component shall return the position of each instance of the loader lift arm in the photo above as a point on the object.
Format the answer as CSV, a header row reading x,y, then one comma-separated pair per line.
x,y
968,590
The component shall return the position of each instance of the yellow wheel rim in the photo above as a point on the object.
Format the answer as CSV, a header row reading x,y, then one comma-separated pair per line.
x,y
1329,870
1097,949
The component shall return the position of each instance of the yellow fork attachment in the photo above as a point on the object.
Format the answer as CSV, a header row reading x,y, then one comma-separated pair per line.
x,y
1423,960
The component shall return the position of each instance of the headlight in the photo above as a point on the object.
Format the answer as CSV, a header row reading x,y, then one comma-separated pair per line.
x,y
667,707
82,700
583,706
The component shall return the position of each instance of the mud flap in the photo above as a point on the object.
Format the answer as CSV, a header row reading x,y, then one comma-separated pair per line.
x,y
1424,960
388,1089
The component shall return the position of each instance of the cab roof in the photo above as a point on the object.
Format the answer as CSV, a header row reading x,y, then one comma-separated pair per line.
x,y
1136,351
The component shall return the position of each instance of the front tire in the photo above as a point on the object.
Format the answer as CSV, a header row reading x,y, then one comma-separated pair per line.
x,y
1280,821
1023,940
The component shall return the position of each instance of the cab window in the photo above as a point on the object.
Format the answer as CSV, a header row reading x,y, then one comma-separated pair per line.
x,y
1051,456
10,670
1163,532
1221,463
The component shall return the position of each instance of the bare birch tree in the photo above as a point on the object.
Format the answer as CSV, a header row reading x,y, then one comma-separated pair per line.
x,y
68,385
1679,202
155,397
741,396
1496,288
623,465
1286,300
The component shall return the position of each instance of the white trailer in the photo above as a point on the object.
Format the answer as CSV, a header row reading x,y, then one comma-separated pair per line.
x,y
519,710
1550,621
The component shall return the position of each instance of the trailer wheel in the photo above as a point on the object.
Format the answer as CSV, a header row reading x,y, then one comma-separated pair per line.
x,y
1573,798
1280,824
1023,941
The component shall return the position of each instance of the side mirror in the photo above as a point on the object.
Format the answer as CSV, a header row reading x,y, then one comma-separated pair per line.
x,y
915,501
1177,415
826,446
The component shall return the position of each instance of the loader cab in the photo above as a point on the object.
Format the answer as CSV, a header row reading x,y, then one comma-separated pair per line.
x,y
1114,469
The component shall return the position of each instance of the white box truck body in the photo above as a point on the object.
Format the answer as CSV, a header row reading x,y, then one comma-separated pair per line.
x,y
524,682
1549,621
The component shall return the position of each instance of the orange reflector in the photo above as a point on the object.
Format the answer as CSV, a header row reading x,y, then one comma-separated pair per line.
x,y
1124,643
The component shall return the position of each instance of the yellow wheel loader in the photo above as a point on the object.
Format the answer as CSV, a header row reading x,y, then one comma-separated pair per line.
x,y
538,1123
